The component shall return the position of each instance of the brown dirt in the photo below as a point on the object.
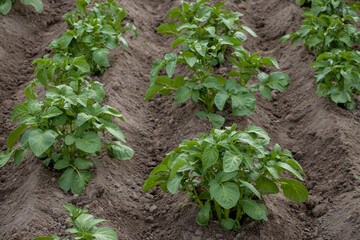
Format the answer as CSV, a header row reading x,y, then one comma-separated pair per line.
x,y
324,138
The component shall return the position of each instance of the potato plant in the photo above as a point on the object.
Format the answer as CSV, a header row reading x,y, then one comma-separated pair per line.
x,y
326,32
338,77
84,226
64,130
5,5
93,32
227,172
210,89
205,31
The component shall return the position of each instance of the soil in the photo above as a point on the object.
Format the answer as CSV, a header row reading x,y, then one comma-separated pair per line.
x,y
323,137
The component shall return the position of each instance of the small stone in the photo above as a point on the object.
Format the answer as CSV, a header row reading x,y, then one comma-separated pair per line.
x,y
218,236
53,179
152,208
319,210
149,219
149,196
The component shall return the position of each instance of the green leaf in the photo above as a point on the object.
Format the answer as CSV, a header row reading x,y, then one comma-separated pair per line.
x,y
338,95
19,155
120,151
216,120
37,4
29,91
266,186
123,42
5,157
5,6
254,210
14,136
170,67
182,94
290,169
100,57
259,132
66,39
313,40
201,48
177,165
227,223
104,233
278,80
203,216
174,183
226,194
52,112
270,61
201,114
169,28
251,188
90,142
66,179
152,181
107,29
231,161
82,164
82,65
209,157
249,30
152,91
243,104
240,36
177,42
80,181
294,190
18,110
190,58
62,163
114,130
82,118
220,99
155,68
70,139
40,140
265,91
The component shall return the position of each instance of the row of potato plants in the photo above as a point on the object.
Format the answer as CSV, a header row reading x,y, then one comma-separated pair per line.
x,y
226,172
329,30
64,127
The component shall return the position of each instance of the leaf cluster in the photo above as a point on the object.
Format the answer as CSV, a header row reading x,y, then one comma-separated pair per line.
x,y
84,226
5,5
227,172
64,128
327,26
338,76
93,33
205,34
205,31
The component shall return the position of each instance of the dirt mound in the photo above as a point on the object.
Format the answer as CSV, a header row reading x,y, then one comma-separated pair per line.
x,y
323,137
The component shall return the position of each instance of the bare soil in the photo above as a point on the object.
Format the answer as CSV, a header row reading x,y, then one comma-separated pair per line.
x,y
323,137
